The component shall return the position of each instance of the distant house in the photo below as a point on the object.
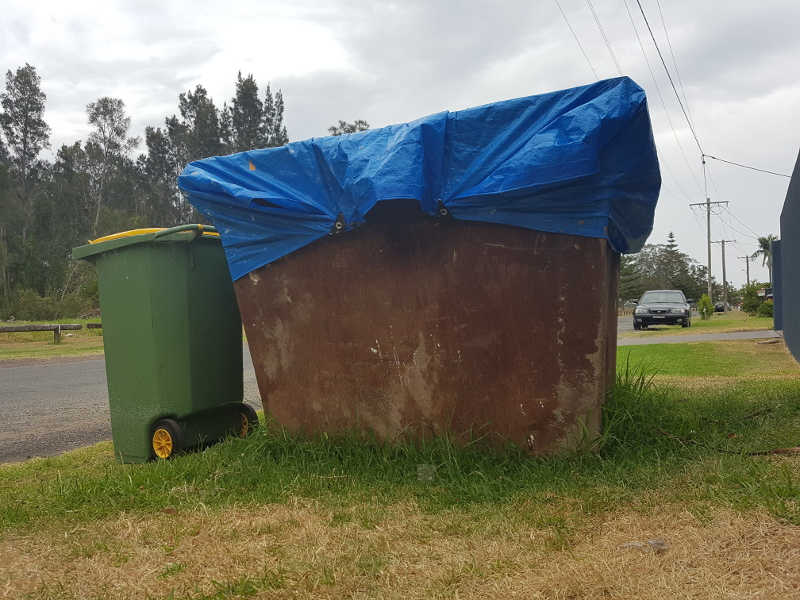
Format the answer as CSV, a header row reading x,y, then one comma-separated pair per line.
x,y
765,293
786,267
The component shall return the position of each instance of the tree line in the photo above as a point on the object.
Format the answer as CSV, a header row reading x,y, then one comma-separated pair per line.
x,y
664,267
113,181
109,182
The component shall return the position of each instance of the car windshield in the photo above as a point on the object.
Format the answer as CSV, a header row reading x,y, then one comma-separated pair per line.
x,y
668,297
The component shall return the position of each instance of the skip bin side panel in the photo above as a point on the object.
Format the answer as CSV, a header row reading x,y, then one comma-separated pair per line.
x,y
426,327
610,329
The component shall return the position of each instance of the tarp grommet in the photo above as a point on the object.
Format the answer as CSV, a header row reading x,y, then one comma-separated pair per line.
x,y
338,226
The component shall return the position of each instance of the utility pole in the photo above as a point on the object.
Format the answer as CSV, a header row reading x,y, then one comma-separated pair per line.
x,y
708,204
746,260
724,279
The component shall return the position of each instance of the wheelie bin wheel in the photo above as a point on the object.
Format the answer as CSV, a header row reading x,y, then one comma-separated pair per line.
x,y
249,420
166,439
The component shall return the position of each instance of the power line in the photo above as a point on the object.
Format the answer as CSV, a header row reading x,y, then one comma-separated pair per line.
x,y
697,220
730,162
755,233
725,232
660,95
672,83
605,39
728,224
711,180
673,180
674,60
718,212
575,35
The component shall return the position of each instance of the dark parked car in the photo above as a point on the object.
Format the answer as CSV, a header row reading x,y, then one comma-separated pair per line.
x,y
662,306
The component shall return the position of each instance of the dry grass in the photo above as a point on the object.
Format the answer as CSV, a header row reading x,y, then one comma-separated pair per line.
x,y
725,555
301,549
712,382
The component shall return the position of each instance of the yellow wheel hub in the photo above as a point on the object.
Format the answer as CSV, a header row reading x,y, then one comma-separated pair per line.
x,y
245,428
162,443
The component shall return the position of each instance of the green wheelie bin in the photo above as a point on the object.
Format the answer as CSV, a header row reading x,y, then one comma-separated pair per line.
x,y
173,340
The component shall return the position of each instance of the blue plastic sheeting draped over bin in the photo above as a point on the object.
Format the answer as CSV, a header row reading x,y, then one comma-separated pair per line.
x,y
580,161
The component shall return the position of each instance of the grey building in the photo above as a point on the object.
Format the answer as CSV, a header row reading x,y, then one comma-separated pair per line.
x,y
786,267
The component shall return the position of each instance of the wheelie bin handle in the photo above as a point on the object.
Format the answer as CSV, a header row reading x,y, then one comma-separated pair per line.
x,y
197,228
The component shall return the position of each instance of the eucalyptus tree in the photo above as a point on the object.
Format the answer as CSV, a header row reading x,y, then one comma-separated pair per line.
x,y
108,149
26,133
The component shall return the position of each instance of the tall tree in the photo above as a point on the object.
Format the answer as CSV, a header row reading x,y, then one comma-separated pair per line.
x,y
274,128
661,266
63,220
226,128
108,148
5,219
26,132
199,125
161,202
344,127
199,132
765,252
278,135
3,151
631,283
248,128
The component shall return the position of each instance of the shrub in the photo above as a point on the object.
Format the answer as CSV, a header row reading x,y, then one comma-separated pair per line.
x,y
751,301
705,307
27,305
766,309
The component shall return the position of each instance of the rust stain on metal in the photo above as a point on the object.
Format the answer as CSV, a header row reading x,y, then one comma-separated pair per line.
x,y
412,326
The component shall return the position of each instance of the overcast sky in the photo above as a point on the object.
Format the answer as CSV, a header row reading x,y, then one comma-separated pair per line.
x,y
393,62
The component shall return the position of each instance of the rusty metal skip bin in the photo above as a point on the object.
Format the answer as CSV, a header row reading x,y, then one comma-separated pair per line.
x,y
455,275
417,326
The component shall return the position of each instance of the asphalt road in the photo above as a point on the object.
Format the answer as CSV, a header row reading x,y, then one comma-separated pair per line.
x,y
48,407
636,340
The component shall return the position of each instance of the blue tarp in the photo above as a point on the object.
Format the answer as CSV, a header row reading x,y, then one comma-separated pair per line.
x,y
580,161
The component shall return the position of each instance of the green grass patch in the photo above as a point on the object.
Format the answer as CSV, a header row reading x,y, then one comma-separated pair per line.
x,y
658,446
39,344
711,359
